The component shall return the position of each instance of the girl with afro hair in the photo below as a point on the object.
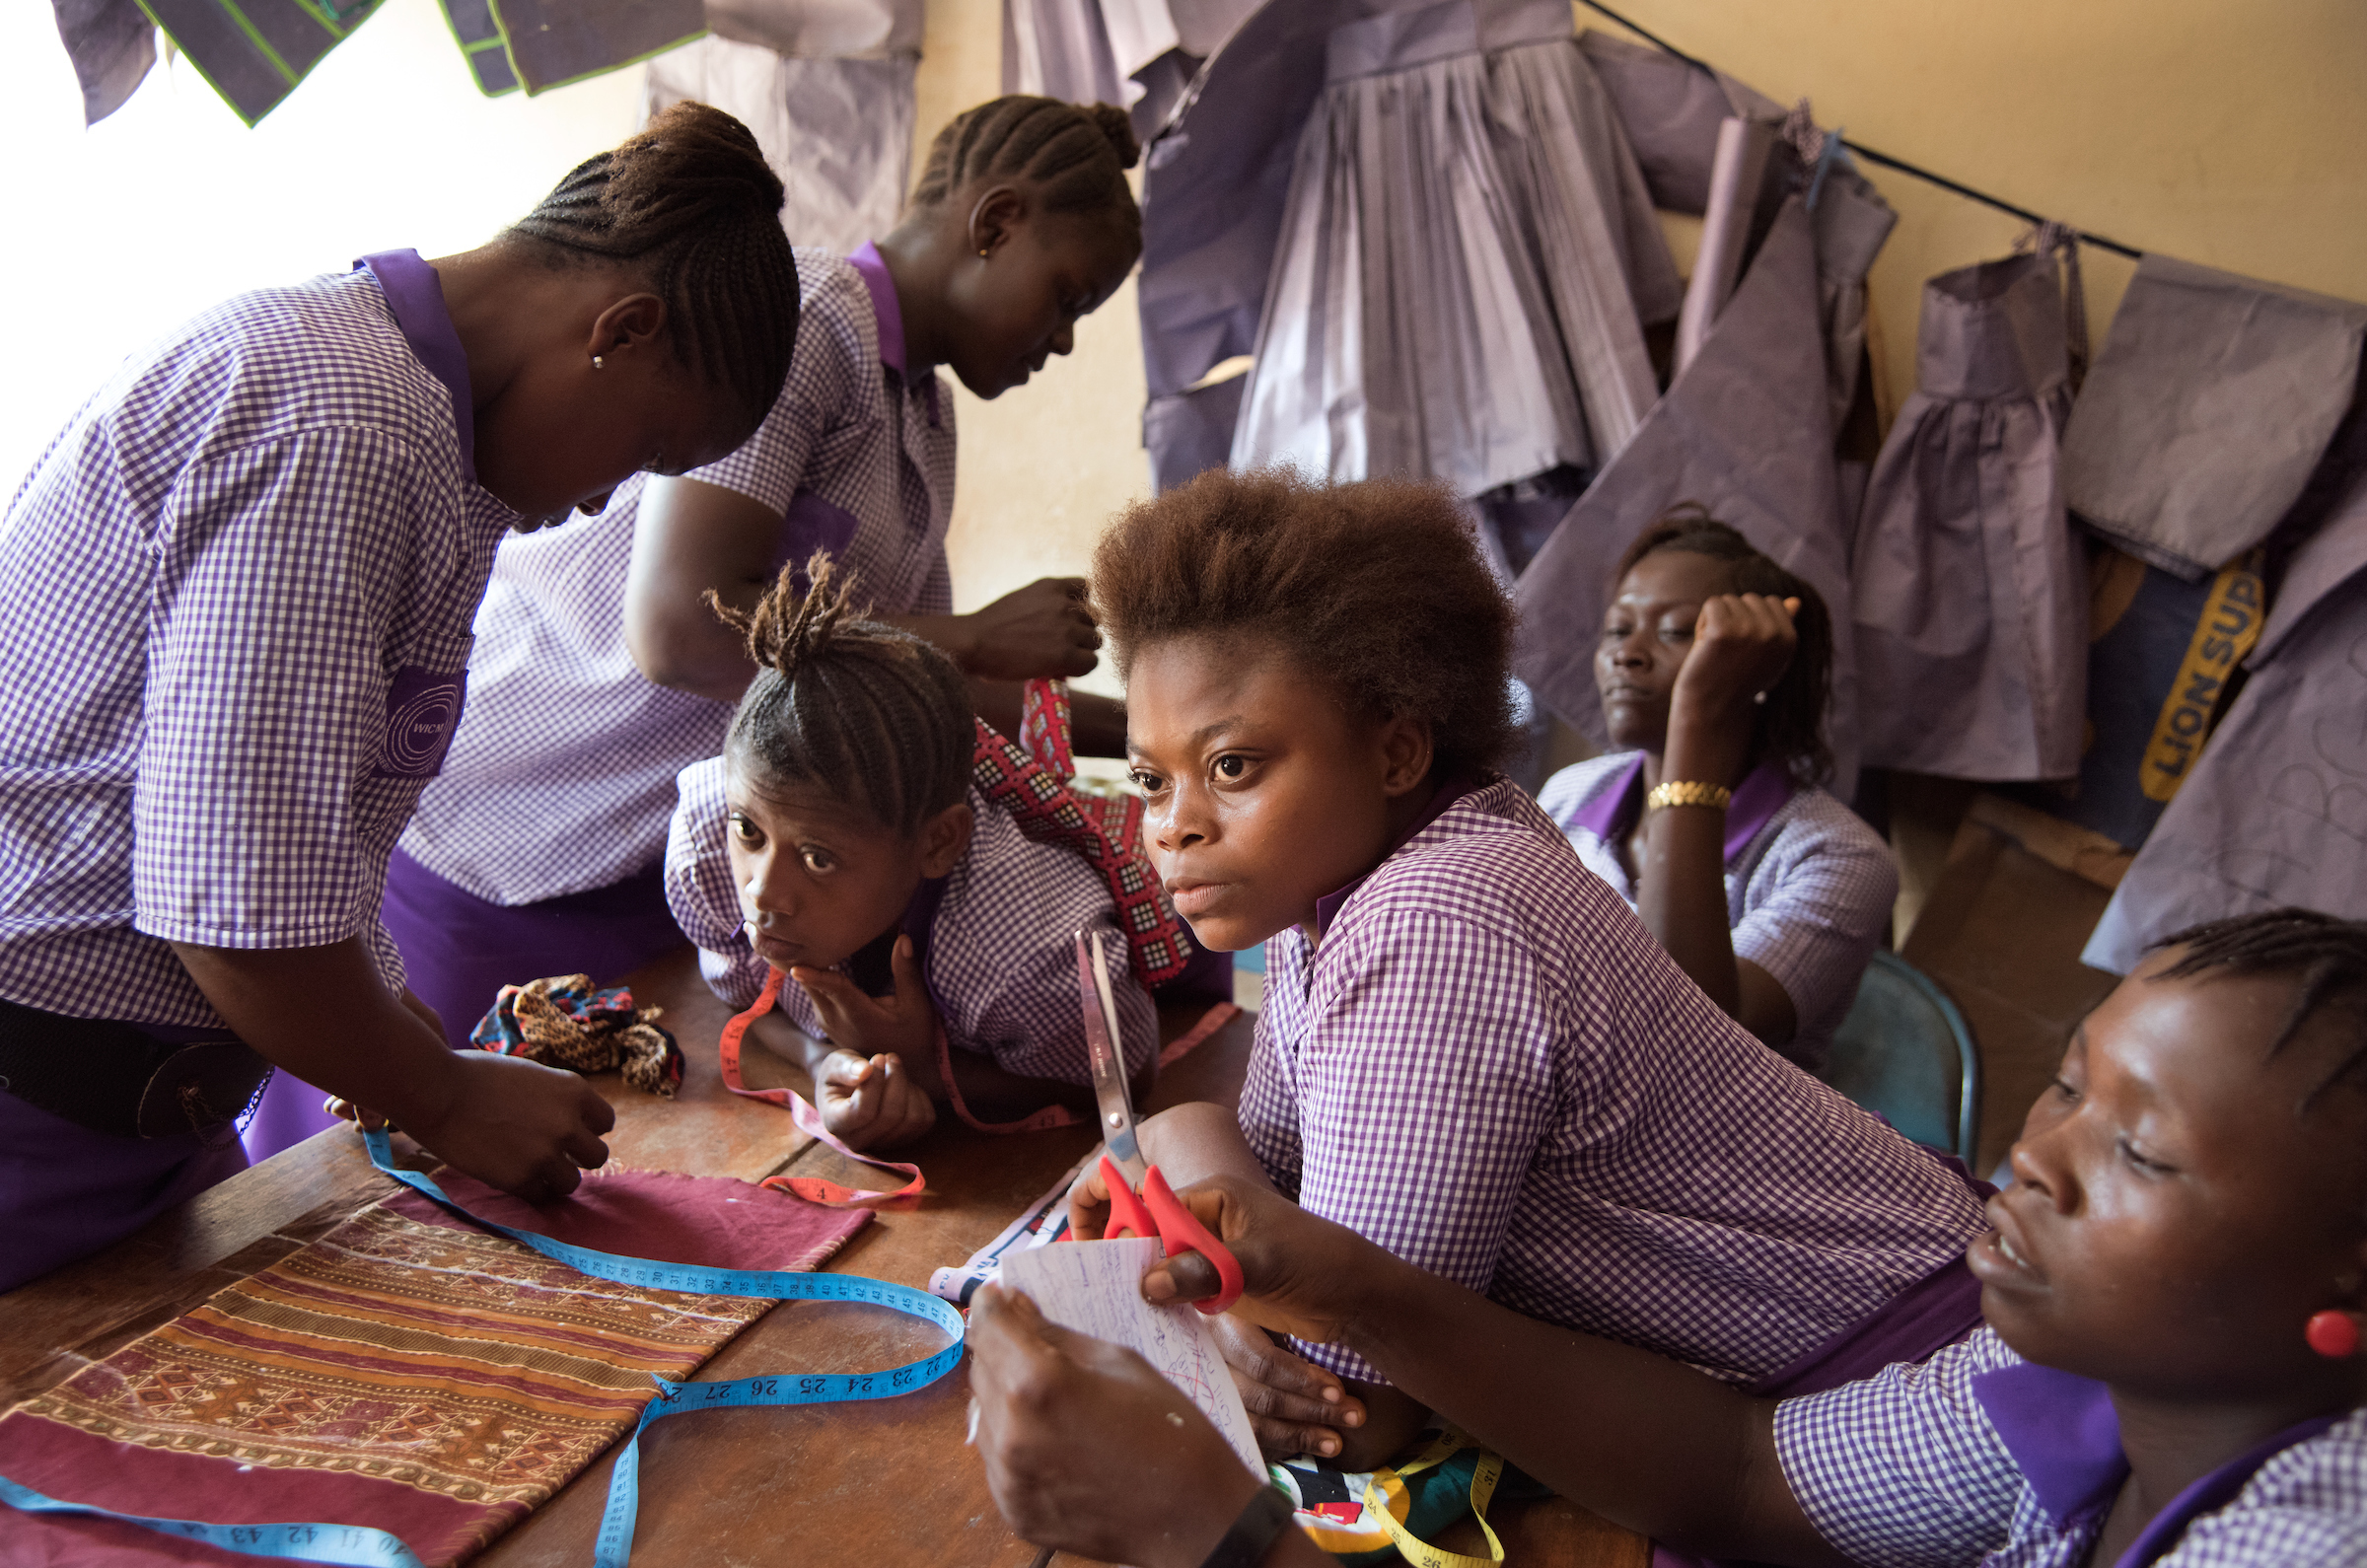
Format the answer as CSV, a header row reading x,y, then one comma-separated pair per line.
x,y
1471,1052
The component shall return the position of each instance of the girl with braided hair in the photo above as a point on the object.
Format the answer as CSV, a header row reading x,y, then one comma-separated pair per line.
x,y
601,672
2169,1374
239,590
1709,814
841,839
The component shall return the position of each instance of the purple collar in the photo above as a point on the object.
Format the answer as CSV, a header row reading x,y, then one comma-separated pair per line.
x,y
872,267
1449,790
417,297
1611,813
2065,1438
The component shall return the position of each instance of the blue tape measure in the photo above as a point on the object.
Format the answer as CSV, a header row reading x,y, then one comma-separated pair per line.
x,y
335,1543
375,1548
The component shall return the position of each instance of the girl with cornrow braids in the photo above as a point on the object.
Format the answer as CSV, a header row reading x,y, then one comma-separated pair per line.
x,y
601,672
840,839
239,593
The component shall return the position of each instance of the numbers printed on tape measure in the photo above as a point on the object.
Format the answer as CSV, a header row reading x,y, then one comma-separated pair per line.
x,y
350,1544
615,1541
361,1547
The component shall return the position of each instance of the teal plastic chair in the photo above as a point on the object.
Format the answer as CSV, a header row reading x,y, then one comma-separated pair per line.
x,y
1906,1053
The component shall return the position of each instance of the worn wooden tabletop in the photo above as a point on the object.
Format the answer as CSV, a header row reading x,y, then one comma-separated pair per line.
x,y
886,1483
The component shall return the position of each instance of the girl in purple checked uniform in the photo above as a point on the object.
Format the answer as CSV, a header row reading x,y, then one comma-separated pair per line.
x,y
2171,1375
1473,1052
599,672
1770,892
842,853
234,599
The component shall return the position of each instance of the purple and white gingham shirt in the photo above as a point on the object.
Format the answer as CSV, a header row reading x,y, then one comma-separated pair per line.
x,y
1979,1456
999,956
1492,1069
561,777
235,597
1809,885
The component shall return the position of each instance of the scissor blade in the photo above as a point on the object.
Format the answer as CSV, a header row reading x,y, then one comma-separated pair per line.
x,y
1108,1059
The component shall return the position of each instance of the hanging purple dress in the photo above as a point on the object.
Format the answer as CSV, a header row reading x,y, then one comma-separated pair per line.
x,y
1970,587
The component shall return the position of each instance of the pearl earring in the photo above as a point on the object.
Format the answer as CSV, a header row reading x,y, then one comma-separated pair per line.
x,y
598,363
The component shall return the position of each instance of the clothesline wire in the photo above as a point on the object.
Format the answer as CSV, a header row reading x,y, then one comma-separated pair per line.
x,y
1883,158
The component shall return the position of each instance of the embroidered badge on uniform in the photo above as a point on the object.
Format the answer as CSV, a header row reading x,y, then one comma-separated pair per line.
x,y
423,711
1031,785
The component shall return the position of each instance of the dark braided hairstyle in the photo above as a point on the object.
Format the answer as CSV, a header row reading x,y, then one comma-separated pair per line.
x,y
691,205
1791,721
866,712
1075,155
2326,957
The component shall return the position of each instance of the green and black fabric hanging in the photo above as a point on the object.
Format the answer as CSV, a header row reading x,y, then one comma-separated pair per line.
x,y
538,44
254,51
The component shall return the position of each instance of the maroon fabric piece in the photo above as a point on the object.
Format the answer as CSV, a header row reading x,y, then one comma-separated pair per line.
x,y
711,1221
61,1462
698,1220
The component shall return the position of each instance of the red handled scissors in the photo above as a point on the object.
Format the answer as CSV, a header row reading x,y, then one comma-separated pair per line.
x,y
1157,1212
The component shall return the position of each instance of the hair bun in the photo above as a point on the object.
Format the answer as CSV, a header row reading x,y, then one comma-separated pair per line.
x,y
689,162
1116,125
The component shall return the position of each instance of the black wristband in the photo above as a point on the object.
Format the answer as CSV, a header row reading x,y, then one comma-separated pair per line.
x,y
1253,1534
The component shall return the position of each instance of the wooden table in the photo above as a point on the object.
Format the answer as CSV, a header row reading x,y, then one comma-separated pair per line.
x,y
885,1482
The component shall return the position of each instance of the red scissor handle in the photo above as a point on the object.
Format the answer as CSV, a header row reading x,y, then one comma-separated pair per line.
x,y
1128,1216
1160,1213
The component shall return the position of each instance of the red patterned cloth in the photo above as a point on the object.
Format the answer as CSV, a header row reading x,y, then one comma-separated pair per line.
x,y
563,1022
1032,784
406,1372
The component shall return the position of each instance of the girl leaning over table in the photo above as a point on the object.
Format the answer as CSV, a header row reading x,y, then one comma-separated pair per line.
x,y
239,589
602,672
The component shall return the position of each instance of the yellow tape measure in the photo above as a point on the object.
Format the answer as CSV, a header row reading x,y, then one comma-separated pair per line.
x,y
1415,1550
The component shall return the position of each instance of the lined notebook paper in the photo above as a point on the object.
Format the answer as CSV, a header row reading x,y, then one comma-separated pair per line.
x,y
1096,1288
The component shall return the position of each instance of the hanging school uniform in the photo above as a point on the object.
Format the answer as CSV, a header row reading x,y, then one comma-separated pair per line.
x,y
540,850
1423,222
238,591
1746,431
1809,885
995,939
1488,1067
1971,589
2210,408
1452,294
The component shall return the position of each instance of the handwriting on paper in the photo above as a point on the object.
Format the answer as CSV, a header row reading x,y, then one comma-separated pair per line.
x,y
1096,1288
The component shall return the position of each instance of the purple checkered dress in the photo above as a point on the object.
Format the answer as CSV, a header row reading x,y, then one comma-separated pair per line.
x,y
998,954
1809,885
561,777
1490,1069
1977,1456
235,597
